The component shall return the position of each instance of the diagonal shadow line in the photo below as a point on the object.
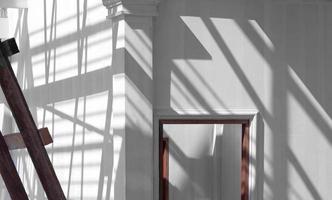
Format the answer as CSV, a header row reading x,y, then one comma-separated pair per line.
x,y
294,88
182,91
140,37
25,44
256,40
213,92
138,53
139,112
279,172
72,119
311,111
109,141
54,50
307,106
183,160
269,182
47,60
105,153
304,176
203,103
239,72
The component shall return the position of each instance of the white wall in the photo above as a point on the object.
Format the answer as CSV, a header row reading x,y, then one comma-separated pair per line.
x,y
273,56
64,69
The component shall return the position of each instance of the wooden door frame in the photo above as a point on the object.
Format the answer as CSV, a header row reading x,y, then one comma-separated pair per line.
x,y
245,159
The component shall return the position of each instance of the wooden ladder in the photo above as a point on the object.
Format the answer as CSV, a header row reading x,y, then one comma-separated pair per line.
x,y
29,137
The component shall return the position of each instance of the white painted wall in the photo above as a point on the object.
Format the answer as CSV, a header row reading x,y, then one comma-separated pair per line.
x,y
64,70
273,56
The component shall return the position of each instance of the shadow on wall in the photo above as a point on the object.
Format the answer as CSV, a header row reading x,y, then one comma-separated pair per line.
x,y
64,70
272,56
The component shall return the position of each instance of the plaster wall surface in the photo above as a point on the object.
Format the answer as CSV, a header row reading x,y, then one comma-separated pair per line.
x,y
64,69
271,56
229,55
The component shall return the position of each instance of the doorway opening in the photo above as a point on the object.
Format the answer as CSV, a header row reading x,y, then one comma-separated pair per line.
x,y
211,155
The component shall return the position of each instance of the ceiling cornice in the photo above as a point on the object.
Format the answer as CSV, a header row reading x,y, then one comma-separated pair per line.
x,y
143,8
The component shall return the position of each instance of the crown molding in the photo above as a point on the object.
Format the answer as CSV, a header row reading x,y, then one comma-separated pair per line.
x,y
142,8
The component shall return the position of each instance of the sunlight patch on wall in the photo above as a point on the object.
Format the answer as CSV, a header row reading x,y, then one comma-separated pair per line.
x,y
96,109
143,56
230,54
77,148
203,35
120,39
118,105
308,141
262,34
138,108
68,39
98,51
240,44
181,179
179,91
199,145
311,98
117,149
303,185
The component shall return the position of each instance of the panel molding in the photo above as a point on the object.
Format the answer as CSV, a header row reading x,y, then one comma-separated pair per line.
x,y
256,146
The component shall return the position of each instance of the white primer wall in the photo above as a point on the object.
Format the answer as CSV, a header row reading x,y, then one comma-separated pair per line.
x,y
64,70
273,56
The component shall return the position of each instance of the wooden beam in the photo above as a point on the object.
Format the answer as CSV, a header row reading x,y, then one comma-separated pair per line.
x,y
15,140
245,162
165,155
9,174
25,123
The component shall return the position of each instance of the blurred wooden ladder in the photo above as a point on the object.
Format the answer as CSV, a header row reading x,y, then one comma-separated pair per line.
x,y
29,137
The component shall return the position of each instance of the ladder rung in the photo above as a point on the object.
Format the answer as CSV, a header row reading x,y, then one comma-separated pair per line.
x,y
15,140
